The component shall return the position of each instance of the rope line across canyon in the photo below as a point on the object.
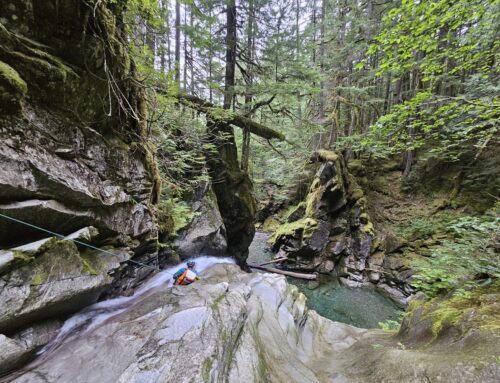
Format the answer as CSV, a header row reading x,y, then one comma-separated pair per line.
x,y
65,237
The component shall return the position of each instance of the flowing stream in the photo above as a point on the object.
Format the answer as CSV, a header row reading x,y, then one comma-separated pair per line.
x,y
91,317
361,307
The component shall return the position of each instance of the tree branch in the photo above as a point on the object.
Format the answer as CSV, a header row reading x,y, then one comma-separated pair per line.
x,y
215,112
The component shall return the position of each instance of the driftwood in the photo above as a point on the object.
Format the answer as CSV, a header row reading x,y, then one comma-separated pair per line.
x,y
284,272
274,261
240,121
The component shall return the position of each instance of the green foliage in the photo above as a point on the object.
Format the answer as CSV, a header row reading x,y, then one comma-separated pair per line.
x,y
174,215
428,35
426,227
450,125
450,52
389,325
466,259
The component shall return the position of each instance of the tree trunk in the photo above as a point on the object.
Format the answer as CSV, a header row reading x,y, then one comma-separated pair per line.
x,y
297,57
210,59
167,15
321,111
230,54
178,42
245,146
191,56
186,54
285,272
387,95
235,119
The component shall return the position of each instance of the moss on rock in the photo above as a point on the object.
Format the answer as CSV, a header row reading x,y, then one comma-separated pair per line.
x,y
12,78
304,228
477,309
12,87
313,197
295,212
270,225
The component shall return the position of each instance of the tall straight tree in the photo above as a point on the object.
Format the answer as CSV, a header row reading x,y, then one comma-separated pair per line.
x,y
229,77
177,42
245,147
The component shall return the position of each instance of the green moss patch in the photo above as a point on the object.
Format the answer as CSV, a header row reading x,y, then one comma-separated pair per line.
x,y
327,155
303,228
13,79
465,310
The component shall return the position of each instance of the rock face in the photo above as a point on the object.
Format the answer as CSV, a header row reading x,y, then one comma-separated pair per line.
x,y
72,156
237,327
55,280
206,233
64,160
331,229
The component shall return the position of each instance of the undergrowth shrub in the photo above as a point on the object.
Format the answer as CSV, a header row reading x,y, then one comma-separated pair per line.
x,y
467,258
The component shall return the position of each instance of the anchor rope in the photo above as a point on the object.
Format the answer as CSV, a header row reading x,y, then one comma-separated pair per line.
x,y
74,240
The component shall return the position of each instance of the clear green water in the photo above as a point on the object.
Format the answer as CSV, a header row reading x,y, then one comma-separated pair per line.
x,y
361,307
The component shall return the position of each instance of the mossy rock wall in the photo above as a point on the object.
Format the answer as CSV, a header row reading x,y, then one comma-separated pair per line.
x,y
74,154
56,280
334,230
66,136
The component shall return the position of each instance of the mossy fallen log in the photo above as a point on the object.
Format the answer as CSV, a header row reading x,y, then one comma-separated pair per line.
x,y
274,261
216,113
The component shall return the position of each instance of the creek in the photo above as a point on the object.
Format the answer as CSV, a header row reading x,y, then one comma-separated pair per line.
x,y
361,307
85,322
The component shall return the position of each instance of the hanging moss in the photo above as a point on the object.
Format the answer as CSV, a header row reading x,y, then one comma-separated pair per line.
x,y
313,197
295,212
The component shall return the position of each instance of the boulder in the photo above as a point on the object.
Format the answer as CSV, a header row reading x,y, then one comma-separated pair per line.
x,y
334,226
38,334
25,253
13,354
58,281
206,233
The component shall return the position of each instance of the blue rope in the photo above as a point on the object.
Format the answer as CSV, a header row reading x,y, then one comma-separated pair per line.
x,y
68,239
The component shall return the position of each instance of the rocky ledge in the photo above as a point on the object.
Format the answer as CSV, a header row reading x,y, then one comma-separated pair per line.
x,y
237,327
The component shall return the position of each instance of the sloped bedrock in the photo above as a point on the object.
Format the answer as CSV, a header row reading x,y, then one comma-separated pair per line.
x,y
54,279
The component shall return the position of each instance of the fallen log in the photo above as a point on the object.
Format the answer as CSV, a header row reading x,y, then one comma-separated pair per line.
x,y
242,122
274,261
285,272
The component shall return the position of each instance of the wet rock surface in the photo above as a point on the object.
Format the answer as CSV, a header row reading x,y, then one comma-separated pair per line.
x,y
56,280
234,327
73,160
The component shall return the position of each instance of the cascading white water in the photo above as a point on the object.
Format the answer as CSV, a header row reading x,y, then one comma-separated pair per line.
x,y
91,317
